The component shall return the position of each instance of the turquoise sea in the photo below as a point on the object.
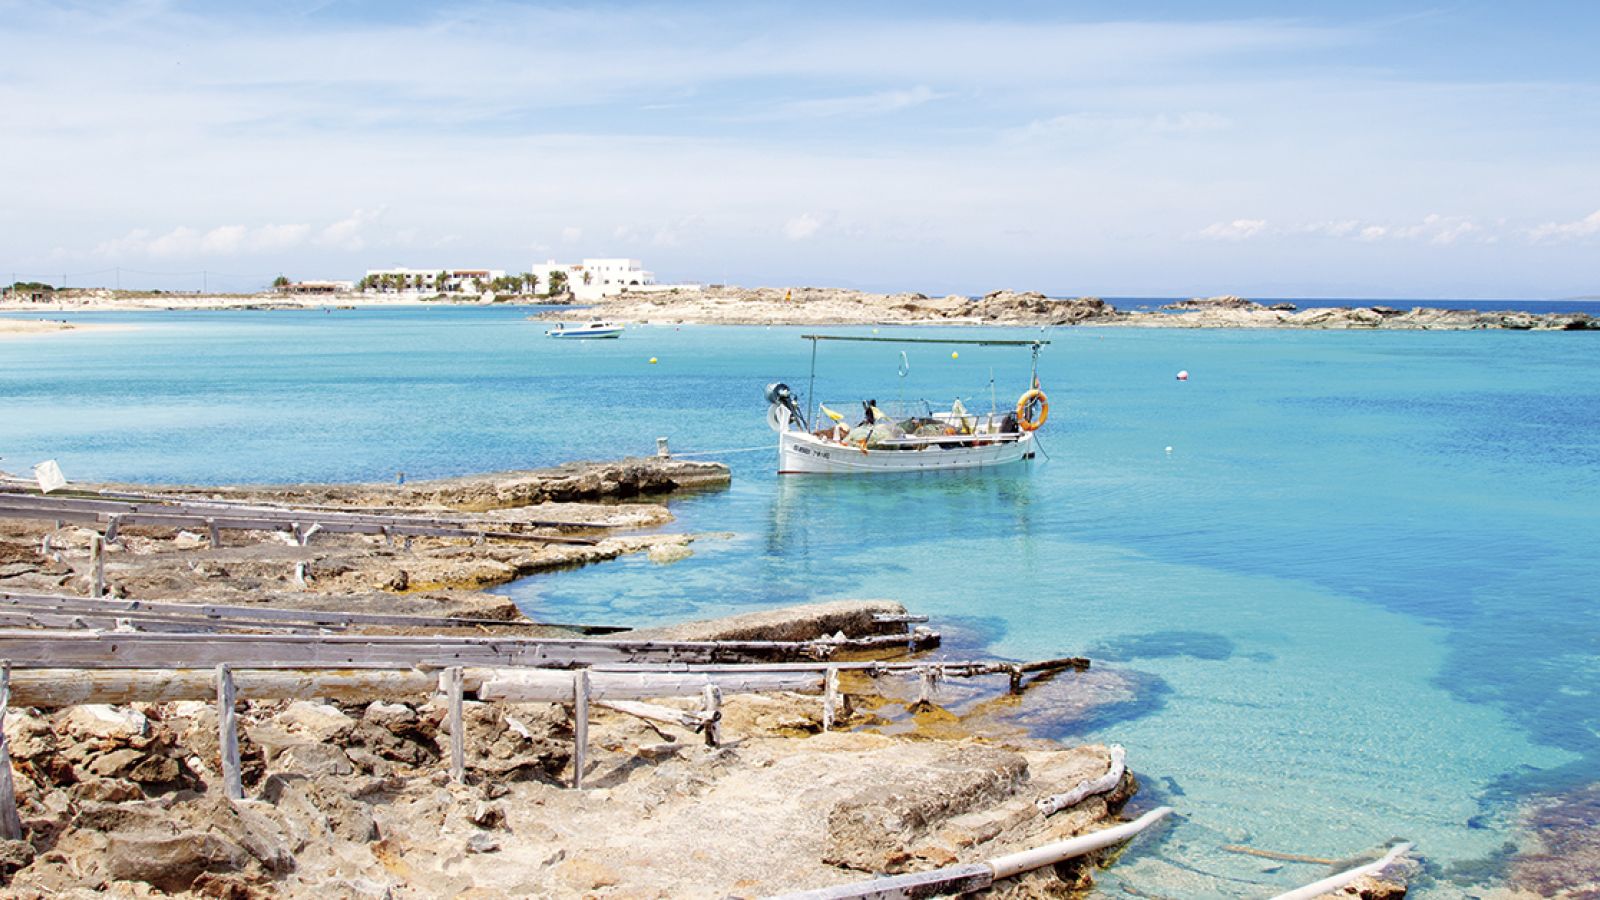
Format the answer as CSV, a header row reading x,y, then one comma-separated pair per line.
x,y
1357,599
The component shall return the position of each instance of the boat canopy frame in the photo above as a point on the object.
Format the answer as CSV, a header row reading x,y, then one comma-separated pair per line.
x,y
811,386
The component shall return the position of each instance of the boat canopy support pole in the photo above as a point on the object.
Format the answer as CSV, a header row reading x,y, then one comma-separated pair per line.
x,y
812,406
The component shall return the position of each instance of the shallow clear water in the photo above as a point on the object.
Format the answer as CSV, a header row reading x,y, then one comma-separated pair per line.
x,y
1358,595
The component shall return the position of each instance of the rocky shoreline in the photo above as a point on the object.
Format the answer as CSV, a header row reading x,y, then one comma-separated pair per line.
x,y
832,306
839,306
353,799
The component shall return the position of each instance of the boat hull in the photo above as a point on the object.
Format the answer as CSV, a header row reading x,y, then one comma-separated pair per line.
x,y
804,454
585,335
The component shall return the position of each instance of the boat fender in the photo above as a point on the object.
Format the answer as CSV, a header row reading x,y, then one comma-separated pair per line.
x,y
1027,400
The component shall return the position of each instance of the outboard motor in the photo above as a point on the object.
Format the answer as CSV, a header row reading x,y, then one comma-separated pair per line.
x,y
779,395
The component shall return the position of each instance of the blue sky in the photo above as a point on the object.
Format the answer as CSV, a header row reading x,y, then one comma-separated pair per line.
x,y
1118,149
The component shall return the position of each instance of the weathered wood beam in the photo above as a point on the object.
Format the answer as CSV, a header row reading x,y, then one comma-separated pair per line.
x,y
56,688
1086,789
546,685
228,727
977,876
10,822
458,734
580,725
1335,882
266,614
91,649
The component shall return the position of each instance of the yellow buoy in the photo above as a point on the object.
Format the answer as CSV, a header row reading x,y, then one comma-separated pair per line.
x,y
652,360
954,355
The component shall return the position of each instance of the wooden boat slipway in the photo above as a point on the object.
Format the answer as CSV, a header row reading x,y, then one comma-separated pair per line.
x,y
933,441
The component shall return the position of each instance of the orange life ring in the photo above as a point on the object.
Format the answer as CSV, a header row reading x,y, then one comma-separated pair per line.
x,y
1024,402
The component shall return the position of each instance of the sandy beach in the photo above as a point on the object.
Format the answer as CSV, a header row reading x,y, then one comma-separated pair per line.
x,y
17,329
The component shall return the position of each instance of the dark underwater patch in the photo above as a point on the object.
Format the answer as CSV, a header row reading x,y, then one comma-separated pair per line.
x,y
1161,644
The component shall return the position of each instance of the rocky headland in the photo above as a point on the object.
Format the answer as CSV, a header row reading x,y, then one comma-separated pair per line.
x,y
836,306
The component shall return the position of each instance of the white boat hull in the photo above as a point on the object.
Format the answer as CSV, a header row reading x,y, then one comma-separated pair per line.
x,y
588,330
801,453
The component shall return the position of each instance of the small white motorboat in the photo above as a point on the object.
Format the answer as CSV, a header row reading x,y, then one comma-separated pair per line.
x,y
586,330
881,443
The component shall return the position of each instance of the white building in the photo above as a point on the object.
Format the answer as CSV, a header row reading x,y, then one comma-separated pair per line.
x,y
596,278
431,281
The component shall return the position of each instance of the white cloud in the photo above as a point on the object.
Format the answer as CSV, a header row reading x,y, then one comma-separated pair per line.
x,y
872,104
348,233
1236,230
1104,125
571,234
1334,229
801,227
278,237
1588,226
1434,228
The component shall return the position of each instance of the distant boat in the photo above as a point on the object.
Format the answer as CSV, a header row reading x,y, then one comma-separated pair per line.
x,y
587,330
881,443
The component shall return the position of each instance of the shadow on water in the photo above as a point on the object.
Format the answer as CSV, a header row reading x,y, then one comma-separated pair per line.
x,y
827,514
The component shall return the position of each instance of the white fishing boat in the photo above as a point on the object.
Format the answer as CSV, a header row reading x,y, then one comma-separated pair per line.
x,y
927,440
585,330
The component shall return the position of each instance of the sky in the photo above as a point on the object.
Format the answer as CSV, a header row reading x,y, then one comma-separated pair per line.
x,y
1352,149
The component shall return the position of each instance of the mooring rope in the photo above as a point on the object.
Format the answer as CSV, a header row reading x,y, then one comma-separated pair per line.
x,y
676,454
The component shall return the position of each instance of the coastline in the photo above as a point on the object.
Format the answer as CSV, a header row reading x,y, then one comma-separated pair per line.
x,y
348,789
819,306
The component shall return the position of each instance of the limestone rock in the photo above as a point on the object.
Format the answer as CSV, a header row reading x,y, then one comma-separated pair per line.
x,y
316,721
99,722
872,830
171,862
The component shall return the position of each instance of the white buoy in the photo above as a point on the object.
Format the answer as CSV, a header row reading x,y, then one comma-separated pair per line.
x,y
1184,375
1169,451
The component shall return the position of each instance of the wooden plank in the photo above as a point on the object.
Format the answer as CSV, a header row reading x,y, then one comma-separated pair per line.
x,y
97,649
713,712
548,686
580,725
830,697
97,553
56,688
694,721
10,822
117,502
228,727
245,522
269,614
458,734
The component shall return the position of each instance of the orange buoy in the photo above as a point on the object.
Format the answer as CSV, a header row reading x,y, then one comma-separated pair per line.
x,y
1027,400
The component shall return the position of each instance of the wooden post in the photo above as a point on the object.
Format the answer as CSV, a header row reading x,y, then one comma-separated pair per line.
x,y
10,822
830,697
211,532
713,714
228,728
580,724
454,679
925,684
97,554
